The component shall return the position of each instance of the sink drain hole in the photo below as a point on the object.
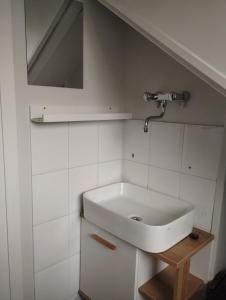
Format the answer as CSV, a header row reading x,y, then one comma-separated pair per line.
x,y
136,218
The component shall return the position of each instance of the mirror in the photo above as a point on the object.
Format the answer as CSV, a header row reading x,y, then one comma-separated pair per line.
x,y
54,35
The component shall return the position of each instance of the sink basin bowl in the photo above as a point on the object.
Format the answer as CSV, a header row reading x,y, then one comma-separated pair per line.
x,y
146,219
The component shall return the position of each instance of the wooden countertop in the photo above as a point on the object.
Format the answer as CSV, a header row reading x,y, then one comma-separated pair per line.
x,y
185,249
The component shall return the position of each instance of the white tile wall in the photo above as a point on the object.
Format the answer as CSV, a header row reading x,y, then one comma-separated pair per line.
x,y
49,146
136,142
164,181
52,283
51,243
199,263
110,141
58,282
83,144
110,172
70,159
135,173
74,270
81,179
173,148
74,234
50,196
67,159
200,192
166,145
202,149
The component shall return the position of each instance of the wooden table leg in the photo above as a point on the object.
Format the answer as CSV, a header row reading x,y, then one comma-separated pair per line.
x,y
181,281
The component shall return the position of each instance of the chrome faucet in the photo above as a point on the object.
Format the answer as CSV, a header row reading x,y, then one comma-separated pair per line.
x,y
162,99
148,119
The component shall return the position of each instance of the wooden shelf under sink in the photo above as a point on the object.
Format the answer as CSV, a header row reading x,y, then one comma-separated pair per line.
x,y
185,249
161,286
175,282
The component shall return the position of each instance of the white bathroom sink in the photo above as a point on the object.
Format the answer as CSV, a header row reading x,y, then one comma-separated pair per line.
x,y
148,220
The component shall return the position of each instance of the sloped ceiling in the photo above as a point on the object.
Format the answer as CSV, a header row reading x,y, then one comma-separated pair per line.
x,y
193,32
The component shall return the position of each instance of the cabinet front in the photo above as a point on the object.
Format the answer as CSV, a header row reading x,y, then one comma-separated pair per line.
x,y
107,265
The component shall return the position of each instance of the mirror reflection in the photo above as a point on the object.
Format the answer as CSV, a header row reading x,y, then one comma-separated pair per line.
x,y
54,34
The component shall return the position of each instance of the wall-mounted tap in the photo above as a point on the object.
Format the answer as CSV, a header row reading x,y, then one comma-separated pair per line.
x,y
171,96
161,100
148,119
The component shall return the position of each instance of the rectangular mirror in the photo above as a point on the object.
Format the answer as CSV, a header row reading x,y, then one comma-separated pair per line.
x,y
54,35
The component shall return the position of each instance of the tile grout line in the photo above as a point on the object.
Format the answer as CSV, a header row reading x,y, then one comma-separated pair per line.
x,y
75,167
98,153
181,173
57,263
171,170
57,218
149,156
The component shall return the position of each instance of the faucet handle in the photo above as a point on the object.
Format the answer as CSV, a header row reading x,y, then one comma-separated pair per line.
x,y
148,96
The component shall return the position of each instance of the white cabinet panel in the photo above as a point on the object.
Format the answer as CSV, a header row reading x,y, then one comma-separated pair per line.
x,y
202,149
105,273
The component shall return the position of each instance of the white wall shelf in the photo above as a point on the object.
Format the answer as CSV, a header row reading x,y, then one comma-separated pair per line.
x,y
50,114
56,118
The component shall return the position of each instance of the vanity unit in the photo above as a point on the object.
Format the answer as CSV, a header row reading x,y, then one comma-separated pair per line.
x,y
108,265
128,245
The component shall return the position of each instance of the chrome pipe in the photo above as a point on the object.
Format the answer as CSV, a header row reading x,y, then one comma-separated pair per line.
x,y
148,119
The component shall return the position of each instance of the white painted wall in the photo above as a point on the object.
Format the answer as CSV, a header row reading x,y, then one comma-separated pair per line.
x,y
191,31
10,148
4,260
103,87
149,68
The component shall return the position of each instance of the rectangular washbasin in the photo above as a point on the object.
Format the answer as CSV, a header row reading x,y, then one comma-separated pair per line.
x,y
146,219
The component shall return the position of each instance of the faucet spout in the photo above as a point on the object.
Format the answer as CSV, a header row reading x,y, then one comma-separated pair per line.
x,y
146,122
148,119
